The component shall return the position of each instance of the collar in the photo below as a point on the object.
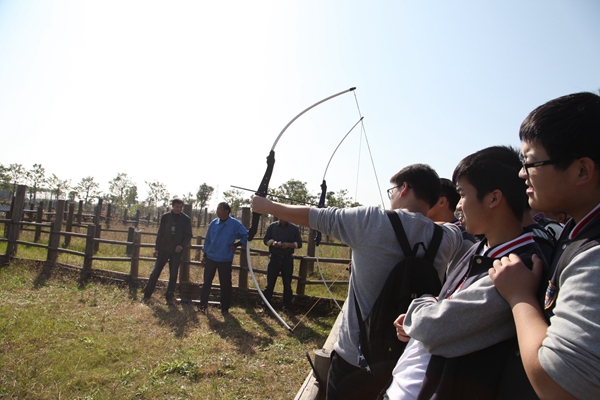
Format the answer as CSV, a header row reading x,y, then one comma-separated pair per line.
x,y
506,248
584,222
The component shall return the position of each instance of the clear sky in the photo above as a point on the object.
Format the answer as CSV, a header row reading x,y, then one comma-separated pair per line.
x,y
189,92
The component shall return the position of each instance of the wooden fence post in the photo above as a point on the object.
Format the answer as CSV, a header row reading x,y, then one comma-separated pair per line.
x,y
39,218
108,215
198,251
98,224
184,265
14,229
80,212
129,247
125,216
89,251
205,215
55,228
303,273
137,218
69,227
135,256
53,243
243,276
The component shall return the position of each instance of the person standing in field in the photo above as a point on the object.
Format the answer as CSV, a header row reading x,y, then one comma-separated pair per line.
x,y
282,237
174,233
219,247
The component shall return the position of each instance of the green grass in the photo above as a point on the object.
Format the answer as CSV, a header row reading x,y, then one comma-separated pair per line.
x,y
59,340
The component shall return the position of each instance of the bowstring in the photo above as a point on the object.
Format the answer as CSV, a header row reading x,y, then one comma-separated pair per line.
x,y
364,131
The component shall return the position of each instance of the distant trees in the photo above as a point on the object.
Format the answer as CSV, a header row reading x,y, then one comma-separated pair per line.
x,y
118,189
36,180
87,189
294,192
157,192
203,195
58,187
339,199
235,200
124,193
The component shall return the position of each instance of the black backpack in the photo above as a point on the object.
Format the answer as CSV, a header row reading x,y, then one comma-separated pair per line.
x,y
410,278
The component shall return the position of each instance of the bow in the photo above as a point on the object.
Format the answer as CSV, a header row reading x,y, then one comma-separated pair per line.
x,y
262,191
321,205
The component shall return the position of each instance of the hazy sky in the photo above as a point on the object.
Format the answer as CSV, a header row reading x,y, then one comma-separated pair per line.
x,y
189,92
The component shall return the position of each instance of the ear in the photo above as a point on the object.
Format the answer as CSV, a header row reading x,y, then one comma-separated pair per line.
x,y
586,171
443,202
404,190
494,198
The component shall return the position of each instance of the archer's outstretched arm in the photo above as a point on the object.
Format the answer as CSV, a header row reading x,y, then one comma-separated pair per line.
x,y
295,214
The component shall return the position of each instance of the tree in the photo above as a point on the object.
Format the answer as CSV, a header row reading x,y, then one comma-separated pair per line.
x,y
58,186
118,188
340,199
203,195
157,192
294,192
87,189
235,200
4,178
131,197
36,179
189,199
16,174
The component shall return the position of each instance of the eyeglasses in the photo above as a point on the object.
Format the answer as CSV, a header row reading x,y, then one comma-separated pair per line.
x,y
390,191
537,163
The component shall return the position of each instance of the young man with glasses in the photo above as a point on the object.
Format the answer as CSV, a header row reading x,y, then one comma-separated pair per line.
x,y
375,252
560,340
462,341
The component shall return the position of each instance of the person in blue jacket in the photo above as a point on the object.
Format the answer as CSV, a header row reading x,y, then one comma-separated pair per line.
x,y
219,247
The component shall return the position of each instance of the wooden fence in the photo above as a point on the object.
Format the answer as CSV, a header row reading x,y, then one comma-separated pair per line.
x,y
21,219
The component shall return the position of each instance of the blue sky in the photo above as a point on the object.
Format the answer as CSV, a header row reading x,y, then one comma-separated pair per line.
x,y
195,91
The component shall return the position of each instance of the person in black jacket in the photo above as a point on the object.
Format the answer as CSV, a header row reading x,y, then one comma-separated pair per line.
x,y
282,237
174,233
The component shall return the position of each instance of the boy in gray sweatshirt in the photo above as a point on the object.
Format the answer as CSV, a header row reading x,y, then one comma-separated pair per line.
x,y
560,340
375,252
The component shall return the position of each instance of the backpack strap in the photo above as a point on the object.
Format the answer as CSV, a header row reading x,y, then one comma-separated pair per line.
x,y
400,234
430,251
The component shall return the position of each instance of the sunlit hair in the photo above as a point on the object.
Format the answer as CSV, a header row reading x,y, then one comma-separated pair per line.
x,y
567,127
495,168
422,179
448,190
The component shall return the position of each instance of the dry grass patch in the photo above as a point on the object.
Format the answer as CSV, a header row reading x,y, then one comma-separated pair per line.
x,y
59,340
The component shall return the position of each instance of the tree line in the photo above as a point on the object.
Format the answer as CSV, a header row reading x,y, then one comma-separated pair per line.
x,y
123,191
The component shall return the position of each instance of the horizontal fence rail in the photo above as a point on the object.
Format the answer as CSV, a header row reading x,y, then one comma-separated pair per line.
x,y
23,220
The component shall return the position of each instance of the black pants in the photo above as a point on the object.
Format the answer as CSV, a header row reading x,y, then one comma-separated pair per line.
x,y
348,382
285,265
210,268
173,259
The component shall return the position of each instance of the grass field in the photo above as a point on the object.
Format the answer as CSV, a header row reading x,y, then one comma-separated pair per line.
x,y
62,341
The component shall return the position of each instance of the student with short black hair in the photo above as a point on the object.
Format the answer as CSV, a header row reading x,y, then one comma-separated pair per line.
x,y
560,341
445,211
462,342
375,252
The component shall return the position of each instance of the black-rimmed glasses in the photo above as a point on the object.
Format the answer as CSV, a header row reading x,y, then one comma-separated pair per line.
x,y
537,163
390,191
